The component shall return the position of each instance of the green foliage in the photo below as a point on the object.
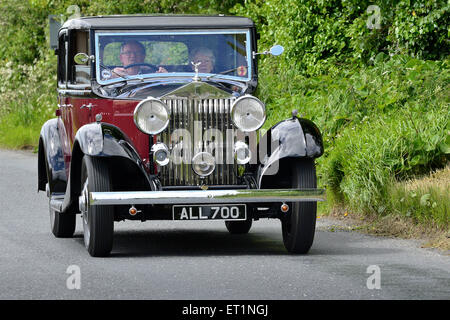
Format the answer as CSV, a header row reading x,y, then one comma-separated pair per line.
x,y
378,97
21,44
24,24
319,36
380,123
367,158
420,28
27,100
168,53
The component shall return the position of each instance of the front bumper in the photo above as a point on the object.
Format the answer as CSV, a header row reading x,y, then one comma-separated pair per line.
x,y
206,196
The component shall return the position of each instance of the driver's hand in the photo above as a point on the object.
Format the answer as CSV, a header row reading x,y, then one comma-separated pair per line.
x,y
118,71
161,70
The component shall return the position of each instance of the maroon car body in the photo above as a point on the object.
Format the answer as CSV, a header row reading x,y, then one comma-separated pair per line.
x,y
177,145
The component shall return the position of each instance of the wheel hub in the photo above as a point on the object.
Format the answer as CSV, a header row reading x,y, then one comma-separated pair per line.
x,y
83,199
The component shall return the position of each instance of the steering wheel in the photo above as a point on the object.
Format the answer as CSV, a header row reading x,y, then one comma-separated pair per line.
x,y
141,64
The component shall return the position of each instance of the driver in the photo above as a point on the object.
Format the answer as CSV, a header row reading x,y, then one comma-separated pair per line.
x,y
133,52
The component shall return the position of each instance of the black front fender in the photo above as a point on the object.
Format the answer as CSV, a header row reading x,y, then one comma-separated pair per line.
x,y
51,167
104,140
291,138
110,143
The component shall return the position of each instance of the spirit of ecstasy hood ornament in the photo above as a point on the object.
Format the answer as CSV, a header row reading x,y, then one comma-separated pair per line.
x,y
196,77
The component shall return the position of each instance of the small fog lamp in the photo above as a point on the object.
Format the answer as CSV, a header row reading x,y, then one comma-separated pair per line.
x,y
203,164
160,153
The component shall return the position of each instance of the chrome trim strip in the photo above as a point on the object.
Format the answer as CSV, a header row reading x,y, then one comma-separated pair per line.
x,y
206,196
56,202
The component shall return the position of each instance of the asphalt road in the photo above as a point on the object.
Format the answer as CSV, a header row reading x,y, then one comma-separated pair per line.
x,y
190,260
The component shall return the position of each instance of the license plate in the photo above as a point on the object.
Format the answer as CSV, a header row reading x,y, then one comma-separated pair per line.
x,y
210,212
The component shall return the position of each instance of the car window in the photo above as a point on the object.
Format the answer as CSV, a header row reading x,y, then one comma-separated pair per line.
x,y
62,59
81,73
131,55
156,52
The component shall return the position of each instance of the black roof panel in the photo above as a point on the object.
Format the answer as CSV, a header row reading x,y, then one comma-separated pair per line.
x,y
159,22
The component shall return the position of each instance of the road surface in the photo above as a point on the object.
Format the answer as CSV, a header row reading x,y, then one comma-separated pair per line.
x,y
191,260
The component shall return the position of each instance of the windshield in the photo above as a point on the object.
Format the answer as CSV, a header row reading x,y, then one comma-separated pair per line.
x,y
130,55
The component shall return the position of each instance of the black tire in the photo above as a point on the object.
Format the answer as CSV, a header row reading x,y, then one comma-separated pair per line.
x,y
239,227
62,224
98,221
299,225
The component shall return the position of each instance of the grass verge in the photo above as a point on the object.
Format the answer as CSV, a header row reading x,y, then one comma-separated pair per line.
x,y
14,134
419,209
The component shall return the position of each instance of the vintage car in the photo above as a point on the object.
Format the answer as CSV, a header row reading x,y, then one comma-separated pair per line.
x,y
156,120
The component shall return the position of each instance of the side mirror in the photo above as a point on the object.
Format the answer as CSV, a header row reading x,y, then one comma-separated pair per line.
x,y
81,58
276,50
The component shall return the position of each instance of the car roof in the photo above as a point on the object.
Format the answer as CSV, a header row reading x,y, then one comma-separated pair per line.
x,y
162,21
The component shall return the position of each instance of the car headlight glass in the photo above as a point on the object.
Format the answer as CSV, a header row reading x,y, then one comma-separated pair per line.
x,y
248,113
161,153
151,116
203,164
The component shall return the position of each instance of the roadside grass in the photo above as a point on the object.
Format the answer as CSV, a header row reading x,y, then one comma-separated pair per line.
x,y
425,200
411,213
17,134
370,157
391,225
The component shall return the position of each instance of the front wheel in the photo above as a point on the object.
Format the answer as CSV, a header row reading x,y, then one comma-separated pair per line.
x,y
62,224
98,221
299,224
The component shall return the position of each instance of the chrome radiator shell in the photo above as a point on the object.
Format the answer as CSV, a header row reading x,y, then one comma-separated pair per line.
x,y
208,125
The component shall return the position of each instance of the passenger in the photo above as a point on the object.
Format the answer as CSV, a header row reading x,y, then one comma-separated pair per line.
x,y
206,58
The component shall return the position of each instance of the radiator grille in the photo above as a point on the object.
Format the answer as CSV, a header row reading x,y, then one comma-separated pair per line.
x,y
202,120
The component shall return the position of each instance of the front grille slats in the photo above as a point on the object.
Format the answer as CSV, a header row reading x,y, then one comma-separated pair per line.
x,y
217,153
212,115
176,173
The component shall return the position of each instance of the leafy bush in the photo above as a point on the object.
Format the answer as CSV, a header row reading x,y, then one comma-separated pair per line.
x,y
24,24
367,158
420,28
27,100
319,36
380,123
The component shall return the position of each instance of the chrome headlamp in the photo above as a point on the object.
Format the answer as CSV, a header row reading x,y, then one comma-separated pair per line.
x,y
203,164
248,113
151,116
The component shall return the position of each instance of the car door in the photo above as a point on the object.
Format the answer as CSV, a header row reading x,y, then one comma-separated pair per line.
x,y
64,127
79,105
